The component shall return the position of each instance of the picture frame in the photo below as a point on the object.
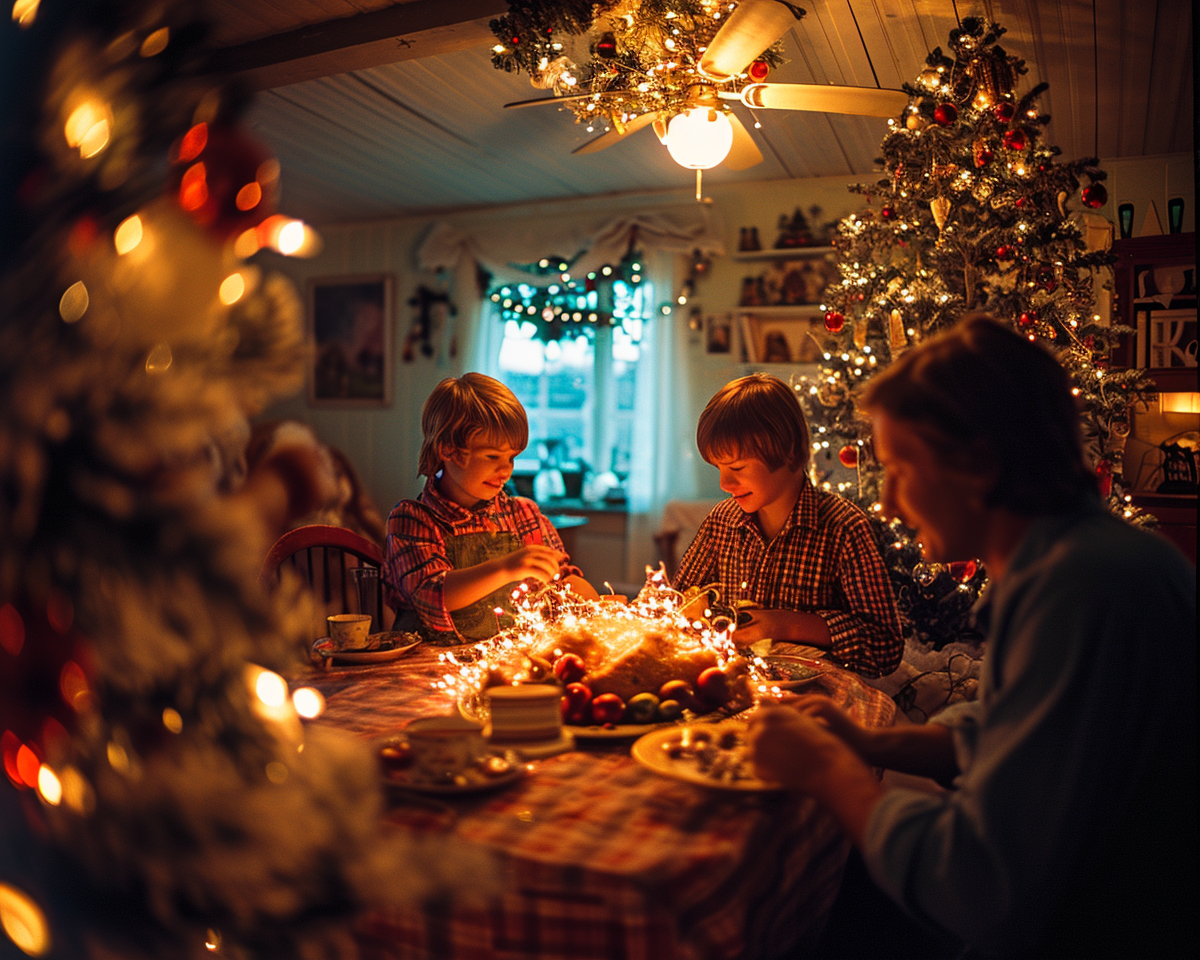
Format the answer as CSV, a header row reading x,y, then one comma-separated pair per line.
x,y
350,324
718,334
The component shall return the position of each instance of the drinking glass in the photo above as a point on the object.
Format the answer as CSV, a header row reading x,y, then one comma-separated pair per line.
x,y
366,579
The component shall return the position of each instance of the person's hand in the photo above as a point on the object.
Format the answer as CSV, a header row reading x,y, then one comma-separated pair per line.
x,y
536,561
793,749
826,713
755,623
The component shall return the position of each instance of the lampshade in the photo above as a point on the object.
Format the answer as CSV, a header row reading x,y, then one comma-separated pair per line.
x,y
699,138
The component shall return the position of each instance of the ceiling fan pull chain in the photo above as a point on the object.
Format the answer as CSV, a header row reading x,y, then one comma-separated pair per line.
x,y
699,187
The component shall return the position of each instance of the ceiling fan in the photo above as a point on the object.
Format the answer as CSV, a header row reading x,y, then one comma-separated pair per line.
x,y
684,94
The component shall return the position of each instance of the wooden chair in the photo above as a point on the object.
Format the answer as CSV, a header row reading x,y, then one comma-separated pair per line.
x,y
325,557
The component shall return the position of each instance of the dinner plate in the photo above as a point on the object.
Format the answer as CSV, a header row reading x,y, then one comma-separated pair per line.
x,y
650,751
787,673
400,642
474,781
618,731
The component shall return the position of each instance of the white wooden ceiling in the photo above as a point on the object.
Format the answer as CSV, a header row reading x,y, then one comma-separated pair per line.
x,y
398,110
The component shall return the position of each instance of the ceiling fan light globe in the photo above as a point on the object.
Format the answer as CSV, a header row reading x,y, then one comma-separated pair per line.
x,y
699,138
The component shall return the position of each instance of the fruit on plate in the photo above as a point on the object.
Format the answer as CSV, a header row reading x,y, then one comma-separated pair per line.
x,y
669,710
643,708
577,704
607,708
680,691
713,686
569,668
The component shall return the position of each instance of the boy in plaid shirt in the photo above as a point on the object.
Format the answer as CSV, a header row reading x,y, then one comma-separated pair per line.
x,y
456,552
805,559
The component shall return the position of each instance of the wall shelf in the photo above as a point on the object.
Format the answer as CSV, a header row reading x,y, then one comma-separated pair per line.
x,y
782,253
798,310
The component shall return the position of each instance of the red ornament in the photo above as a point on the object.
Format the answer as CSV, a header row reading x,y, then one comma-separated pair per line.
x,y
848,456
606,46
983,154
945,114
1045,278
1004,112
1094,195
1105,476
1005,252
1027,319
1015,139
758,70
963,570
224,180
834,321
886,213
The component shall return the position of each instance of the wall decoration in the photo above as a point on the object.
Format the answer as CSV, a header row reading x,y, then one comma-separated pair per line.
x,y
434,309
350,322
718,334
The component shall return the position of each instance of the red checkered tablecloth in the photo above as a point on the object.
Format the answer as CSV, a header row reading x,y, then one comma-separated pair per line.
x,y
602,858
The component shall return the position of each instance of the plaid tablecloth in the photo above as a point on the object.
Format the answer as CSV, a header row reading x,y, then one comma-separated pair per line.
x,y
602,858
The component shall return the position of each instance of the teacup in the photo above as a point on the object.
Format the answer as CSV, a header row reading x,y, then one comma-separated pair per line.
x,y
349,631
444,746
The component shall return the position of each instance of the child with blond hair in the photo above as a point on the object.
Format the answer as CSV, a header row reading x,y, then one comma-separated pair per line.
x,y
456,552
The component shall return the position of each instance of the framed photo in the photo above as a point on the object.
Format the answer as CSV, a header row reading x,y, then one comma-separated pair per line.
x,y
1165,338
718,334
350,321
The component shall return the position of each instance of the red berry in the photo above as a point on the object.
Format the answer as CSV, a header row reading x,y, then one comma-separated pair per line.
x,y
758,71
1004,112
1004,252
607,708
834,321
1015,139
569,668
848,456
887,213
1027,320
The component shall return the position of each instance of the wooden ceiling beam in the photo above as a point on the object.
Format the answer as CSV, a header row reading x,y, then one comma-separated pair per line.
x,y
404,31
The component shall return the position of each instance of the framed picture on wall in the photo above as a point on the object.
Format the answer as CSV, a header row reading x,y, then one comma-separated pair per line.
x,y
350,322
718,334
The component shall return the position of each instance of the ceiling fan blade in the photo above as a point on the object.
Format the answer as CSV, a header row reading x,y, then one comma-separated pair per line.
x,y
750,29
607,139
744,152
864,101
539,100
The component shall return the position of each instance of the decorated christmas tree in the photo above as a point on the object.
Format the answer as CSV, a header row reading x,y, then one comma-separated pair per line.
x,y
974,212
161,795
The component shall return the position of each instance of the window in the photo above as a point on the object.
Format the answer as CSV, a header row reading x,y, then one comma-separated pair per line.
x,y
578,390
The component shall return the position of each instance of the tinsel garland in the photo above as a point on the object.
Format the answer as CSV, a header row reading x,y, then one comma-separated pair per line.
x,y
972,212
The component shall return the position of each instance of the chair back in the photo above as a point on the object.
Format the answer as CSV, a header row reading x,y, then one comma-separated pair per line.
x,y
326,557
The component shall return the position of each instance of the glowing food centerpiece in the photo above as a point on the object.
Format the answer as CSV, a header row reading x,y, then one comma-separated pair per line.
x,y
649,661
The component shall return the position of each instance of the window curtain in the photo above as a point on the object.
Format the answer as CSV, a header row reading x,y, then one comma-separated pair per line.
x,y
666,465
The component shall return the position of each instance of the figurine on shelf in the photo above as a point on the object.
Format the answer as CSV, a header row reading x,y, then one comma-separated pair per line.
x,y
772,282
776,349
794,231
749,297
795,285
748,240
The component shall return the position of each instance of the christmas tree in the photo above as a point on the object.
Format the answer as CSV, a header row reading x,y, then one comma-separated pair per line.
x,y
973,213
161,795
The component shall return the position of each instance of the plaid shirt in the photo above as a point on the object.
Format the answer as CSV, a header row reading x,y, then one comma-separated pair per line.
x,y
823,561
414,573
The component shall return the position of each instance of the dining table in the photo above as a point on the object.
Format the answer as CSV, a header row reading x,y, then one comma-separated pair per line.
x,y
600,856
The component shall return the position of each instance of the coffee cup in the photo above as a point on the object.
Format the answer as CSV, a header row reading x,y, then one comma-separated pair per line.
x,y
349,631
443,747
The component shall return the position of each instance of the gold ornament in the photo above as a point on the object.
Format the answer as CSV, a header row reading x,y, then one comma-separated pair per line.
x,y
982,190
860,332
897,339
1062,202
940,207
914,121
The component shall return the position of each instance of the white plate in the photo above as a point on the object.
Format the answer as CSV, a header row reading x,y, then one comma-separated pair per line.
x,y
323,650
475,780
649,752
795,671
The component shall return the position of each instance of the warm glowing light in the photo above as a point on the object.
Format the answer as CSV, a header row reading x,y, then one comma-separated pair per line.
x,y
699,138
74,302
159,359
233,287
247,198
118,759
23,921
271,689
24,11
212,941
291,237
156,43
193,143
276,772
246,244
88,128
1180,402
28,764
77,792
172,720
308,702
128,234
49,786
193,187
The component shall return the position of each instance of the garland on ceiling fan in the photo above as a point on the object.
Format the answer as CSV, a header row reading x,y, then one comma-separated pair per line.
x,y
643,57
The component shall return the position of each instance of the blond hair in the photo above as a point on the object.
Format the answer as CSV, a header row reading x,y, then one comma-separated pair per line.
x,y
755,416
461,408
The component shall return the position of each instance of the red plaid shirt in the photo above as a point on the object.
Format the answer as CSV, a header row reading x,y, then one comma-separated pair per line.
x,y
823,561
414,573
